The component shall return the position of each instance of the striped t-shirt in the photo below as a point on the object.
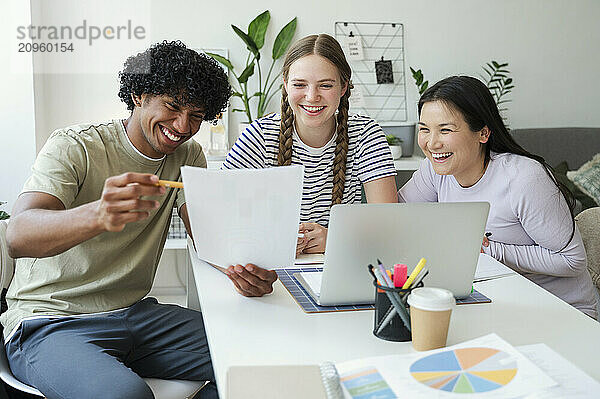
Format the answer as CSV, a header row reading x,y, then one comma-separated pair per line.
x,y
369,158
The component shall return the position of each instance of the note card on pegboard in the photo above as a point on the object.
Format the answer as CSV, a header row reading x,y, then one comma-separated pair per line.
x,y
375,52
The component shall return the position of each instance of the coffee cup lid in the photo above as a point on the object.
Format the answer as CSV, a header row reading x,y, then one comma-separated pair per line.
x,y
433,299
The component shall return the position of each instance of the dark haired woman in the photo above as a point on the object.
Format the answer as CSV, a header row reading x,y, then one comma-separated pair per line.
x,y
339,152
472,157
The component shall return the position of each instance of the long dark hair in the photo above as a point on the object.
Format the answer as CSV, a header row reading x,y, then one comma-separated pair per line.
x,y
474,101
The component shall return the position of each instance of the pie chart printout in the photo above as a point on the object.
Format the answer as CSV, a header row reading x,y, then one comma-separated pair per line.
x,y
465,370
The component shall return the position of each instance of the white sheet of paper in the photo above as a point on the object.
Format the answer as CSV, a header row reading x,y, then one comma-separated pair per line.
x,y
572,382
244,215
489,268
354,48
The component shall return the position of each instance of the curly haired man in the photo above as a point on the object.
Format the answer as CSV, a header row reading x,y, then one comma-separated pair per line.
x,y
88,230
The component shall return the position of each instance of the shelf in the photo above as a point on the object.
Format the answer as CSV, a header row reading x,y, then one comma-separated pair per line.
x,y
176,243
408,163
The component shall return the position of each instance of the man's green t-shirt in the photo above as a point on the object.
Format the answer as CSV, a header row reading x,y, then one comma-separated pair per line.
x,y
114,269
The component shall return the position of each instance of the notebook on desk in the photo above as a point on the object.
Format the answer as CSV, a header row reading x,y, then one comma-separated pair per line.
x,y
448,235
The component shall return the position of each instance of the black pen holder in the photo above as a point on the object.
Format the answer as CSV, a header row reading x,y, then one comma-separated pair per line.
x,y
394,330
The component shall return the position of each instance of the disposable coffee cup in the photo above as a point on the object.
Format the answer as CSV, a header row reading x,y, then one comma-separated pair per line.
x,y
430,310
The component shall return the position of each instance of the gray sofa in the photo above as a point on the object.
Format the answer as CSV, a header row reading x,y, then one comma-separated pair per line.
x,y
576,145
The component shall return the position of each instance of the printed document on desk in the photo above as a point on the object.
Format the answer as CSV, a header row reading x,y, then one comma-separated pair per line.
x,y
489,268
244,215
487,367
572,382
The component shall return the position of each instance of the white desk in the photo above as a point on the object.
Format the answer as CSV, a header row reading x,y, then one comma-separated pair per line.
x,y
273,330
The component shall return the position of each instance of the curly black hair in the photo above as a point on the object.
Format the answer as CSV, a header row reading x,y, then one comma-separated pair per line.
x,y
170,68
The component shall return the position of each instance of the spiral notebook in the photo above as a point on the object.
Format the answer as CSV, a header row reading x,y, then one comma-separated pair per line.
x,y
290,382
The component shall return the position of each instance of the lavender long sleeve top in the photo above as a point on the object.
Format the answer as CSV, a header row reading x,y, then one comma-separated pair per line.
x,y
529,220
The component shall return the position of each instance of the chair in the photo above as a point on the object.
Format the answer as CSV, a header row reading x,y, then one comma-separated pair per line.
x,y
162,389
588,223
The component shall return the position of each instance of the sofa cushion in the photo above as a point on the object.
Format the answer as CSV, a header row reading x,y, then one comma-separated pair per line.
x,y
587,178
583,200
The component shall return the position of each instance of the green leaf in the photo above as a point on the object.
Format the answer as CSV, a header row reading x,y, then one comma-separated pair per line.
x,y
250,45
258,28
249,71
236,94
508,81
503,101
283,39
504,65
222,60
4,215
419,80
412,71
496,65
238,110
486,71
424,87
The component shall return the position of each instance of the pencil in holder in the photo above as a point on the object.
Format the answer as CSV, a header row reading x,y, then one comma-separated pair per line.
x,y
394,330
387,326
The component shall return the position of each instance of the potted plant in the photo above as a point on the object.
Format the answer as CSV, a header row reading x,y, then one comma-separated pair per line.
x,y
255,40
395,144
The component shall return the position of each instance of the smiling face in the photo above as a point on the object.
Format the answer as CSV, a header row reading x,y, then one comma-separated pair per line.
x,y
451,146
314,90
159,125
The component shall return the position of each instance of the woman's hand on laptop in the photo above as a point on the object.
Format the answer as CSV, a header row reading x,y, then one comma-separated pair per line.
x,y
251,280
485,243
302,240
315,237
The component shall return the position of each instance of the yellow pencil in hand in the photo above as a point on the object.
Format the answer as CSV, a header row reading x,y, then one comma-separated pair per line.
x,y
169,183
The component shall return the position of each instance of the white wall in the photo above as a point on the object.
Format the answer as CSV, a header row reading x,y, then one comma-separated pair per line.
x,y
17,135
553,47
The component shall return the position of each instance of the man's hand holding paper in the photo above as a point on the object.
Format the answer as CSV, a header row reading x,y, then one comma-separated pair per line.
x,y
251,280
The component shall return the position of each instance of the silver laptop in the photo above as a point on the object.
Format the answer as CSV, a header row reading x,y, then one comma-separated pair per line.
x,y
447,235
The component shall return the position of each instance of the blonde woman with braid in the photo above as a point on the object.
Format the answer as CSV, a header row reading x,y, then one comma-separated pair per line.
x,y
340,153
